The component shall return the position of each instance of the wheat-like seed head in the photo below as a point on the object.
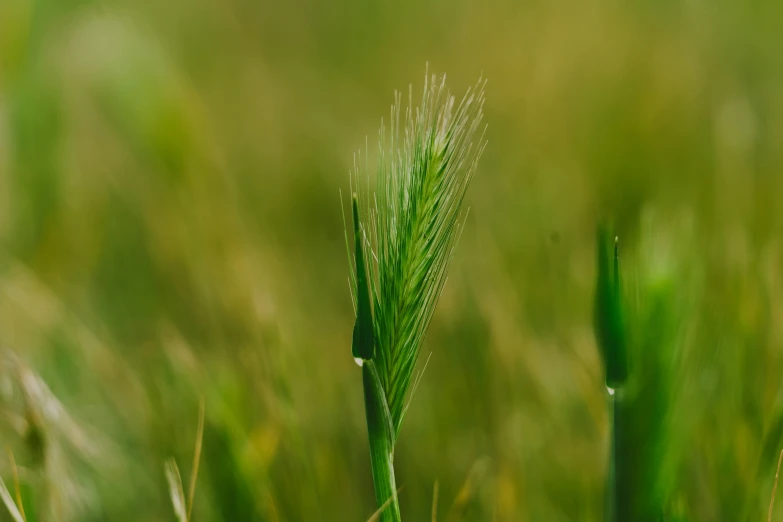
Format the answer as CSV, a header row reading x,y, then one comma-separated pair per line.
x,y
425,164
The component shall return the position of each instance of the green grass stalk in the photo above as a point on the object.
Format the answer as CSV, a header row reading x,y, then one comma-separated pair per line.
x,y
402,250
611,337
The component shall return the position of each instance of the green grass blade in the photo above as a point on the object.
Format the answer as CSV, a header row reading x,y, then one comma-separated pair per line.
x,y
611,338
609,323
363,346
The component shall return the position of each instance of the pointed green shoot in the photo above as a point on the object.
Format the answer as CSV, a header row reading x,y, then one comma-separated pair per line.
x,y
363,346
609,322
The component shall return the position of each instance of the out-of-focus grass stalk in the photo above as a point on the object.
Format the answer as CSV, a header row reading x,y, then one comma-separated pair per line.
x,y
611,337
15,509
402,254
183,507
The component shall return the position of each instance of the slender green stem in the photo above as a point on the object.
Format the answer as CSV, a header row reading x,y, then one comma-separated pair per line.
x,y
381,436
620,487
611,490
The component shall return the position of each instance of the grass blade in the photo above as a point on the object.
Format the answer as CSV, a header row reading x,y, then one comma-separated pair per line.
x,y
196,459
774,488
175,490
363,347
435,502
17,487
611,339
8,500
609,326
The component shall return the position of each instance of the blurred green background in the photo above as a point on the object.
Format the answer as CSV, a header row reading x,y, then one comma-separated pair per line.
x,y
170,229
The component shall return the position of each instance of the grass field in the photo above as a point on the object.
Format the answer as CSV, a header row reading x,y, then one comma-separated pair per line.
x,y
171,231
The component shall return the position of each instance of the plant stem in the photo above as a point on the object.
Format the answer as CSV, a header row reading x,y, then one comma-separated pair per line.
x,y
381,436
611,490
620,480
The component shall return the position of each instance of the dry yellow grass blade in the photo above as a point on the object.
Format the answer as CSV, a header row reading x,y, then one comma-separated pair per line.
x,y
183,507
5,495
175,490
377,515
17,488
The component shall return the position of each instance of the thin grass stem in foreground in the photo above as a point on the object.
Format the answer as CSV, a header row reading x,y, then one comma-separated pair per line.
x,y
183,506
